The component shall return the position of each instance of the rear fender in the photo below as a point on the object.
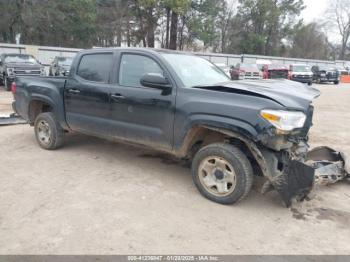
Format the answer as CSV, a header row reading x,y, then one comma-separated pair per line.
x,y
57,110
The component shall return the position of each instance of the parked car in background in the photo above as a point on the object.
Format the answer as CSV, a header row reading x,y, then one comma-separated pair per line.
x,y
224,68
342,70
246,71
275,71
301,73
12,65
60,66
323,74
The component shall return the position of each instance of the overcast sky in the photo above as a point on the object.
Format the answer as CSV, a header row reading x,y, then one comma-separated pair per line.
x,y
314,10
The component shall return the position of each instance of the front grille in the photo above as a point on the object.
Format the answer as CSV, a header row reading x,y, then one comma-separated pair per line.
x,y
27,71
331,74
278,74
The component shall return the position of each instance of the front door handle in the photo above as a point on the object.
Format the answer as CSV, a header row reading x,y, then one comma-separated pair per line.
x,y
73,91
117,97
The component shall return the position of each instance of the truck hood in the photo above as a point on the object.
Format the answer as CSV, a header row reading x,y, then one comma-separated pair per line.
x,y
22,65
307,73
290,94
66,67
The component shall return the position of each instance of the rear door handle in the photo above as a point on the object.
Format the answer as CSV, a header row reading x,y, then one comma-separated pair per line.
x,y
73,91
117,97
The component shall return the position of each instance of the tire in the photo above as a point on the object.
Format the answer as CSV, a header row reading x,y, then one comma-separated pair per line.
x,y
309,84
226,157
7,84
49,134
336,82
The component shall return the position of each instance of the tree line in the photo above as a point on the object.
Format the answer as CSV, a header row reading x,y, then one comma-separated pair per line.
x,y
264,27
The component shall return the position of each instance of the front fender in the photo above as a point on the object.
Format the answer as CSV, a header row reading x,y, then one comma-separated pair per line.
x,y
235,125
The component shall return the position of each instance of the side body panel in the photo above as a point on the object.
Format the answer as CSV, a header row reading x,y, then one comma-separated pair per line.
x,y
228,111
141,114
87,106
45,89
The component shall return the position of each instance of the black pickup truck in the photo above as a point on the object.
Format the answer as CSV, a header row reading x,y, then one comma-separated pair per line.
x,y
323,74
183,105
12,65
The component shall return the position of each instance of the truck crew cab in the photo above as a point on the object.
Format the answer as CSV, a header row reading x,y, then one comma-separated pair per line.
x,y
183,105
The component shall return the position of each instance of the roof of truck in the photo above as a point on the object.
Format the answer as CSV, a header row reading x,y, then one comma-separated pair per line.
x,y
154,50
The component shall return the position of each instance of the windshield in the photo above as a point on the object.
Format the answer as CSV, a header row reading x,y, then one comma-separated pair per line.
x,y
277,67
65,61
26,59
249,66
323,68
195,71
301,68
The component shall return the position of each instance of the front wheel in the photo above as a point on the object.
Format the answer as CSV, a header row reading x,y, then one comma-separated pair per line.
x,y
336,82
222,173
49,134
310,83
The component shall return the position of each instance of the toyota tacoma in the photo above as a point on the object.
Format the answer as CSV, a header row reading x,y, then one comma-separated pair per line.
x,y
183,105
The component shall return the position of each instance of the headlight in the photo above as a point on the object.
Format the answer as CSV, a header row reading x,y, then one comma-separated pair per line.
x,y
284,120
10,71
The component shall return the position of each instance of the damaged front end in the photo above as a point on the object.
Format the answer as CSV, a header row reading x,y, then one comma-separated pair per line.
x,y
288,173
293,169
284,156
330,166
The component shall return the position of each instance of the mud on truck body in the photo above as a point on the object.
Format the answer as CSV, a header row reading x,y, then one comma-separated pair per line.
x,y
183,105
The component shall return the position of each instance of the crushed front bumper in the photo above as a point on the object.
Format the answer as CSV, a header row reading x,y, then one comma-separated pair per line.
x,y
289,176
293,173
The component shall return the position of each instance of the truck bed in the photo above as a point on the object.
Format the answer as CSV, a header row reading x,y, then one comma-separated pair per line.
x,y
29,87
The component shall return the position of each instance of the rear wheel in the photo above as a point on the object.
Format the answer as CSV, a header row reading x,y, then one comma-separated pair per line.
x,y
222,173
49,134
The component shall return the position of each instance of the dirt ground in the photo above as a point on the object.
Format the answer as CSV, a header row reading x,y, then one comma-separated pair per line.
x,y
96,197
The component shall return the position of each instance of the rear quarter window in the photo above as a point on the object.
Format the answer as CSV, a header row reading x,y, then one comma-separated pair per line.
x,y
95,67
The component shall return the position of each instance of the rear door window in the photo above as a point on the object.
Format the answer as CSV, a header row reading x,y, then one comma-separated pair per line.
x,y
95,67
133,67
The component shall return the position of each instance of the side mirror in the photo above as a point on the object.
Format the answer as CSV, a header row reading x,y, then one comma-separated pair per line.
x,y
157,81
